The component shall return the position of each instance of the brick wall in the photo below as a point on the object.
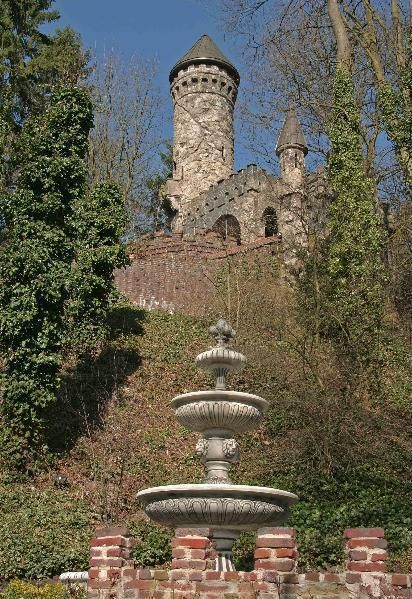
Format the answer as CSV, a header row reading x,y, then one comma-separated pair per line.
x,y
175,273
192,573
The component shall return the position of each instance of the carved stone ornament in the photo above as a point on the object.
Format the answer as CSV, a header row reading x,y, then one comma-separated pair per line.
x,y
231,450
202,447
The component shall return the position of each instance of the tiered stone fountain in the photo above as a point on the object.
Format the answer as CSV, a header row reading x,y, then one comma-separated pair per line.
x,y
217,503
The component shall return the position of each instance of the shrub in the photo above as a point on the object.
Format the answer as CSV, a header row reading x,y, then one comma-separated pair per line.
x,y
42,533
153,547
19,589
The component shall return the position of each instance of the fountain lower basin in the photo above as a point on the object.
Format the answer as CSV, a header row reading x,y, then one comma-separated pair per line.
x,y
226,509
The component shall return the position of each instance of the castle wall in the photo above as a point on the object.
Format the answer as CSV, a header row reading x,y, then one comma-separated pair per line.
x,y
175,273
204,98
113,575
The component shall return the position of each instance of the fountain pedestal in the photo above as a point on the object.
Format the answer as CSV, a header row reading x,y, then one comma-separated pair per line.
x,y
218,415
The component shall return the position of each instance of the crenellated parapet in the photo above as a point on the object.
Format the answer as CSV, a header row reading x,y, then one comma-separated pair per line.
x,y
203,78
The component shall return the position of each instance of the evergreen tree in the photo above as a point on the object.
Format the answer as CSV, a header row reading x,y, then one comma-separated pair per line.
x,y
35,265
30,60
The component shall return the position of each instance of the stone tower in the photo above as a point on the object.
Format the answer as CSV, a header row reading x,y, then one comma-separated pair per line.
x,y
204,87
292,149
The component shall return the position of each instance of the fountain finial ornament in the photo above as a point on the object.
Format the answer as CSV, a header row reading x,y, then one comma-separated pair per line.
x,y
218,415
222,332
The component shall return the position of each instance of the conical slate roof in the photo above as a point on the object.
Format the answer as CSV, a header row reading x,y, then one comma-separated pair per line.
x,y
291,133
204,51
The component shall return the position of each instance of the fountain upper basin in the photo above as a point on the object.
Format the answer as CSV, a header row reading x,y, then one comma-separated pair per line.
x,y
233,411
219,506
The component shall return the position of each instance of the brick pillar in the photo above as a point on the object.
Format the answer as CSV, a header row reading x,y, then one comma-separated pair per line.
x,y
193,550
365,552
109,550
276,559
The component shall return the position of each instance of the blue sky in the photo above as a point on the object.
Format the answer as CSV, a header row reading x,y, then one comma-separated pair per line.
x,y
157,29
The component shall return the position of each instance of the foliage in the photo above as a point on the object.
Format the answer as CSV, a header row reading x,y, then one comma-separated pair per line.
x,y
354,273
19,589
98,223
42,533
34,266
31,61
153,546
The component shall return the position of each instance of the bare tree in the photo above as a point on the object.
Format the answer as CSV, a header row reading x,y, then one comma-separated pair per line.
x,y
291,48
125,140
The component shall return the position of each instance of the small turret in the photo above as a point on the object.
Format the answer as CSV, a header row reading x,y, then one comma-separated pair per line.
x,y
292,149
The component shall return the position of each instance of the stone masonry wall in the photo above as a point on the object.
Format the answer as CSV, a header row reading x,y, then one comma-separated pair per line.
x,y
203,96
172,273
192,574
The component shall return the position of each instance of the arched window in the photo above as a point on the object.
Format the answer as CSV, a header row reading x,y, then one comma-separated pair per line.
x,y
270,221
227,226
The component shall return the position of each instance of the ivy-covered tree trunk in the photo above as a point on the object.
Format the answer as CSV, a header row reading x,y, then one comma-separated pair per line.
x,y
34,267
354,263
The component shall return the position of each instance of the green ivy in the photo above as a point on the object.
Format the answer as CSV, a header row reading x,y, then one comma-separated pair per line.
x,y
99,220
153,544
34,265
353,285
42,533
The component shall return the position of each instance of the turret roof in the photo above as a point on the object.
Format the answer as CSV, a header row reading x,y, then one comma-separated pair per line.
x,y
291,133
205,50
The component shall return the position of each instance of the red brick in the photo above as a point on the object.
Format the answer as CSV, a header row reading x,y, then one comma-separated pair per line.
x,y
400,580
192,542
178,552
283,552
356,555
379,557
196,554
95,583
366,567
160,575
94,573
115,552
275,542
211,575
194,564
312,576
250,576
105,563
196,575
97,551
356,533
353,577
231,575
144,574
132,572
145,585
263,553
211,586
280,565
330,577
370,543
